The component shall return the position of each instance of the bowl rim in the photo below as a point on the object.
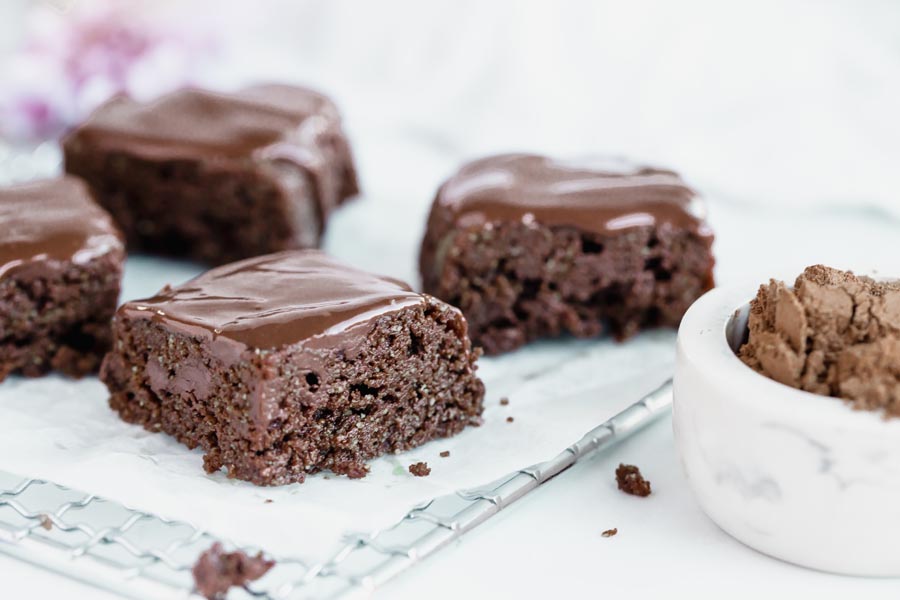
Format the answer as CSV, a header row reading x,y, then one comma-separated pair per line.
x,y
703,341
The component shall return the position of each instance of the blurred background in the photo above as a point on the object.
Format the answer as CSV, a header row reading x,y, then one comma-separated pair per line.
x,y
780,102
785,106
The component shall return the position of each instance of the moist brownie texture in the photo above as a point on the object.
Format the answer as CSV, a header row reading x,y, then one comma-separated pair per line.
x,y
60,271
530,247
217,177
834,334
291,363
217,571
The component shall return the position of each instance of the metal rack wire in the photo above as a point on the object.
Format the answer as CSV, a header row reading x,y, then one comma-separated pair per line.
x,y
140,555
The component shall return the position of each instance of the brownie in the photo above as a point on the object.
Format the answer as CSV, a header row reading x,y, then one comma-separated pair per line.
x,y
60,272
532,247
217,571
290,363
217,177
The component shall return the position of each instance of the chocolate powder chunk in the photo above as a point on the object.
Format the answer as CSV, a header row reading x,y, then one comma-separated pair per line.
x,y
420,469
217,177
833,333
215,572
531,247
630,481
60,271
610,532
292,363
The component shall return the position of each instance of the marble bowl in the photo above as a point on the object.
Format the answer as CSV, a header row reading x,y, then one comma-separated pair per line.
x,y
798,476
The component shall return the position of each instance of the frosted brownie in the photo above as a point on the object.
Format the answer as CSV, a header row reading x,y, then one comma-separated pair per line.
x,y
532,247
60,272
217,177
291,363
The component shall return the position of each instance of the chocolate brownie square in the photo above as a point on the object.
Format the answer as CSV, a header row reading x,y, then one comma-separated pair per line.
x,y
60,272
532,247
291,363
217,177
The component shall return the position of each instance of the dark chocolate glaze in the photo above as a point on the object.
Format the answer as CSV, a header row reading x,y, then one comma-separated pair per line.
x,y
55,220
275,300
261,123
600,197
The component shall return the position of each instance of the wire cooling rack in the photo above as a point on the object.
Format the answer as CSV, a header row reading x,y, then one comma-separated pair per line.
x,y
140,555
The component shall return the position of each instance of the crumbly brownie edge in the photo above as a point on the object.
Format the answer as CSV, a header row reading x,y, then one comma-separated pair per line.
x,y
213,213
275,417
57,316
517,282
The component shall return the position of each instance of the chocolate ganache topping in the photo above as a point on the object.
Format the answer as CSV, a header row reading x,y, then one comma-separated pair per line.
x,y
271,301
262,123
599,196
55,220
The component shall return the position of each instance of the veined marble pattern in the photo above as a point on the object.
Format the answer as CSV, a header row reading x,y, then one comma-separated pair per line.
x,y
798,476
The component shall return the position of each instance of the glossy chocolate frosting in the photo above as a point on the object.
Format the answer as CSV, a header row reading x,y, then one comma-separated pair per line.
x,y
192,123
52,220
271,301
598,196
261,123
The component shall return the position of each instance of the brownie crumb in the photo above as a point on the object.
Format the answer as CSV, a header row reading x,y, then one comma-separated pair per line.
x,y
269,501
46,522
504,401
420,469
630,481
215,572
610,532
445,454
509,419
357,471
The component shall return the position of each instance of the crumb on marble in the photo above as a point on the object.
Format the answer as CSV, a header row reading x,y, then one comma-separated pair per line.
x,y
630,481
420,469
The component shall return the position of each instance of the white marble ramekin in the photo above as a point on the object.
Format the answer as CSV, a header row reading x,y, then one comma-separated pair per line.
x,y
798,476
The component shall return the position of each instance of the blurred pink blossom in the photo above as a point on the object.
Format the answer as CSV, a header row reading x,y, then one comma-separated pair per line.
x,y
72,61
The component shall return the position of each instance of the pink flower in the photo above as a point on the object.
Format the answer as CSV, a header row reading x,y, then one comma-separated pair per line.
x,y
71,62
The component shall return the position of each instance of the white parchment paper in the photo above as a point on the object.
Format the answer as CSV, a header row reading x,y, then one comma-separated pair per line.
x,y
63,430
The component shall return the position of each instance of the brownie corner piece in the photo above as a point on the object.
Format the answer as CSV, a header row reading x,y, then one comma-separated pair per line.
x,y
217,177
531,247
61,262
291,363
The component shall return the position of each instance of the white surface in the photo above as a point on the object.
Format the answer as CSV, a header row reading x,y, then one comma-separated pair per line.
x,y
549,546
551,540
64,431
792,474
